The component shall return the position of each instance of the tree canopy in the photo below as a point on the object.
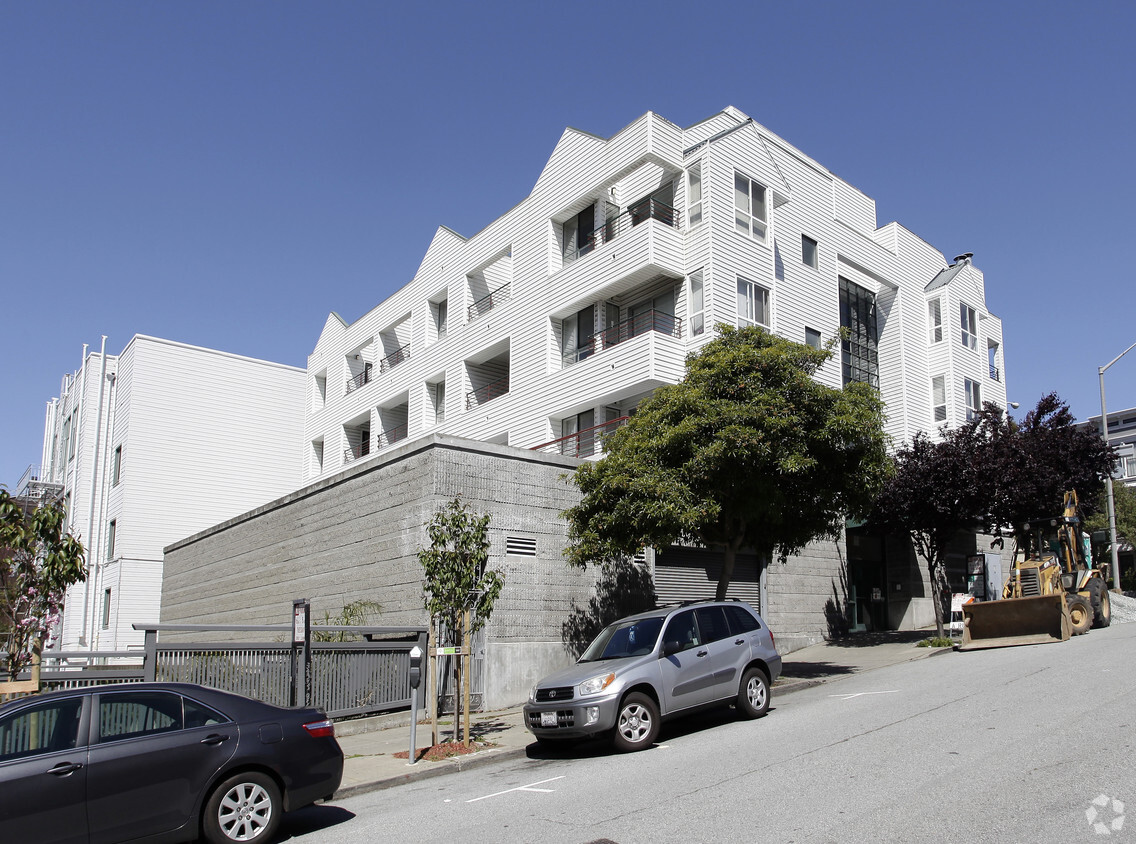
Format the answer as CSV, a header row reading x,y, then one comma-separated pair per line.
x,y
991,473
456,578
38,561
749,450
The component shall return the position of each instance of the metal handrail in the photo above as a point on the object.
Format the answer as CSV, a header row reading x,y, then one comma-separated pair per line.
x,y
395,358
358,380
641,211
582,443
487,393
487,303
641,323
393,435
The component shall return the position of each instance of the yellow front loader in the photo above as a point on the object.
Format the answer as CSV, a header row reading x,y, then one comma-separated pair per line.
x,y
1052,593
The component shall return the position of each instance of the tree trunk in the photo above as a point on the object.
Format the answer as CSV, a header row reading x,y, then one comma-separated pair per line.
x,y
940,591
729,558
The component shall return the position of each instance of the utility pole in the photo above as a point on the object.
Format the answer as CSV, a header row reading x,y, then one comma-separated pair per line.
x,y
1111,503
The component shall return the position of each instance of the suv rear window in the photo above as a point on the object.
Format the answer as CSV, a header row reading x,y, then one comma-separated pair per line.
x,y
741,620
712,624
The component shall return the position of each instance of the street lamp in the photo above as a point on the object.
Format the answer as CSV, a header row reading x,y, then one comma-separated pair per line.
x,y
1111,504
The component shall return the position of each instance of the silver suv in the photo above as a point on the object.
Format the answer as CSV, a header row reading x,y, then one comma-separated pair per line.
x,y
655,665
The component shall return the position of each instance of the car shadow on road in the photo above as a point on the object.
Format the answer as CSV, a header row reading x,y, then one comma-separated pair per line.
x,y
811,671
312,819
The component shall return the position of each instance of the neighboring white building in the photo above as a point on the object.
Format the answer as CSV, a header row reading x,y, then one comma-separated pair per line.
x,y
1122,434
557,318
151,446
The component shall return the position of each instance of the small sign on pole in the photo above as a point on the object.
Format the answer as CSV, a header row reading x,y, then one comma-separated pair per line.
x,y
301,651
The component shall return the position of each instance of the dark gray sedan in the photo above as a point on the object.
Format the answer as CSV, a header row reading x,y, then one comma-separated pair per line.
x,y
158,762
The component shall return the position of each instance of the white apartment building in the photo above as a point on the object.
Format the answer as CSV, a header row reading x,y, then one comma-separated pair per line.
x,y
150,446
1122,435
557,318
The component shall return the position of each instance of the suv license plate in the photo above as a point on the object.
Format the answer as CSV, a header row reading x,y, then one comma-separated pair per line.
x,y
548,719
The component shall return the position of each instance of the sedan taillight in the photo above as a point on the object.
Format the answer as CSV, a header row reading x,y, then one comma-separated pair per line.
x,y
320,729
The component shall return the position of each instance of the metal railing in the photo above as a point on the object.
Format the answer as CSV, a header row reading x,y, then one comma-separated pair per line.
x,y
583,443
487,303
392,435
487,393
994,373
641,323
394,358
358,380
640,212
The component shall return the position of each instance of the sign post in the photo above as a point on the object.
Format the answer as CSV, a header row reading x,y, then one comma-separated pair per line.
x,y
301,650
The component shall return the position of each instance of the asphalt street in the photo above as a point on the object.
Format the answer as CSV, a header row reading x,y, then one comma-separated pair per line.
x,y
1012,744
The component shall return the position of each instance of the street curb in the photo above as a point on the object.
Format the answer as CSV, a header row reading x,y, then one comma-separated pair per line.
x,y
456,764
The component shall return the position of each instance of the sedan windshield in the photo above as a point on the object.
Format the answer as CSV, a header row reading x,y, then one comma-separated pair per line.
x,y
624,638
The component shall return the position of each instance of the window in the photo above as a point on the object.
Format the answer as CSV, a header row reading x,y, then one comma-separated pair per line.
x,y
969,326
753,303
809,256
750,216
939,398
694,193
859,350
935,321
973,399
134,714
112,529
812,337
578,434
116,467
1130,467
697,326
46,728
579,234
712,624
106,609
681,634
578,335
992,360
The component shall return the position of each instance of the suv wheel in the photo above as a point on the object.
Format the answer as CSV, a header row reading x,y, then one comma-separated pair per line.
x,y
637,724
753,694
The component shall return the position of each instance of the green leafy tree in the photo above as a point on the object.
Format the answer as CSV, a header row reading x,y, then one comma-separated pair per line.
x,y
38,562
456,577
935,491
749,450
1124,499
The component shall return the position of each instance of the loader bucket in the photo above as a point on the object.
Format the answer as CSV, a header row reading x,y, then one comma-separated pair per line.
x,y
1015,621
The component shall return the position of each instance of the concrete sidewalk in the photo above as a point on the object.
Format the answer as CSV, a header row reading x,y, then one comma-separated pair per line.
x,y
369,745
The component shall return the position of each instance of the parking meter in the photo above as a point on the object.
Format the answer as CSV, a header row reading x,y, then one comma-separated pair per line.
x,y
415,667
415,682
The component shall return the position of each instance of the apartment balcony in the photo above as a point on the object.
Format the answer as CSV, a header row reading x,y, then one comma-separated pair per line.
x,y
640,212
663,323
393,435
582,444
640,247
486,393
394,359
357,380
487,303
994,373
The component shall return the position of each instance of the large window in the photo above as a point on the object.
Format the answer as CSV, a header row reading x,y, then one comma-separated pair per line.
x,y
935,321
973,399
859,349
753,303
750,212
939,398
697,325
694,193
969,326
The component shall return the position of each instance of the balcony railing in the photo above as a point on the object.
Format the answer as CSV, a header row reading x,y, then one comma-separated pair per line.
x,y
487,393
358,380
994,373
583,443
394,359
487,303
640,212
392,435
641,323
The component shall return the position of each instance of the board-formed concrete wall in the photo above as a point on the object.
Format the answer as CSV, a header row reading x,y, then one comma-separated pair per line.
x,y
355,536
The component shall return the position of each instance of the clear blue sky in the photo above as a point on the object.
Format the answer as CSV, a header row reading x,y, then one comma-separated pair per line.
x,y
227,173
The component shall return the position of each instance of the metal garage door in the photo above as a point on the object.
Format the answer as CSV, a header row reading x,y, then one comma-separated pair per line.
x,y
691,574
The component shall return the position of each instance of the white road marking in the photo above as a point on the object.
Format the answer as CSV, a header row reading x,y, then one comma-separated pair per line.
x,y
530,787
861,694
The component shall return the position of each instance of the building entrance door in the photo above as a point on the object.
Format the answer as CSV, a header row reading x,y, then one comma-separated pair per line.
x,y
867,582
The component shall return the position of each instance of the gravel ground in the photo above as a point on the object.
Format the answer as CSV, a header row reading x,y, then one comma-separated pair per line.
x,y
1123,608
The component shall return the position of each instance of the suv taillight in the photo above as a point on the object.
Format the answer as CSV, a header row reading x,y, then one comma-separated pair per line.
x,y
320,729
